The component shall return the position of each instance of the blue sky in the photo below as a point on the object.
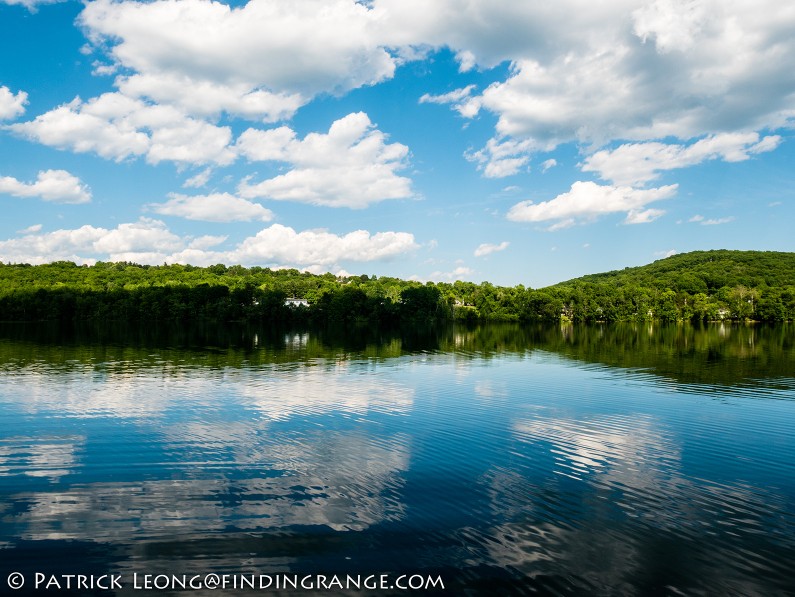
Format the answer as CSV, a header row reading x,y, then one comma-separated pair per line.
x,y
519,143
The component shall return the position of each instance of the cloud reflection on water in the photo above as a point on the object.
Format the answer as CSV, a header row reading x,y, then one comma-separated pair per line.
x,y
47,457
344,482
628,469
249,449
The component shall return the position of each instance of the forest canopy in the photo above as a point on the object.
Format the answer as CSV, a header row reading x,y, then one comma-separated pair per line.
x,y
697,286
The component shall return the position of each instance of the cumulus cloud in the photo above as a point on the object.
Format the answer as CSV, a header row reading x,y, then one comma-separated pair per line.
x,y
629,71
633,70
459,273
58,186
638,163
12,105
204,98
487,249
145,235
460,99
81,245
216,207
671,24
351,166
149,241
118,127
587,201
501,157
264,59
282,244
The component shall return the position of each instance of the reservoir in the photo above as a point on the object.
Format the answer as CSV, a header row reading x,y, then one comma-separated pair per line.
x,y
624,459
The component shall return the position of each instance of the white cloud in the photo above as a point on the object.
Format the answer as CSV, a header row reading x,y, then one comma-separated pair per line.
x,y
119,127
351,166
466,61
30,229
71,245
634,70
638,163
199,180
501,158
145,235
665,254
487,249
83,244
699,219
460,273
12,105
149,241
204,98
450,97
547,164
461,99
281,244
100,69
216,207
31,5
205,242
58,186
587,200
644,216
671,24
628,69
264,59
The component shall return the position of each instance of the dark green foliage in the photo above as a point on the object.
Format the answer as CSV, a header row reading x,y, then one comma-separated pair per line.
x,y
698,286
422,302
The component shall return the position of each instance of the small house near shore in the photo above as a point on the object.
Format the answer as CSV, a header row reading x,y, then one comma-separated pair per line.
x,y
296,302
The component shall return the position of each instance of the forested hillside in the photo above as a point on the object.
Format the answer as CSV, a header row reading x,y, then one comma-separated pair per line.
x,y
703,271
702,285
698,286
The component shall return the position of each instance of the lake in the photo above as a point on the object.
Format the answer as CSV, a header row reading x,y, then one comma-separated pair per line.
x,y
503,459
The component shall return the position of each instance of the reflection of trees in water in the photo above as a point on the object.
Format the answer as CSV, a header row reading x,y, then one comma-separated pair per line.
x,y
714,354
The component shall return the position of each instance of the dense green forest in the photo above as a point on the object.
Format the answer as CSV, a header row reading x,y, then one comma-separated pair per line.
x,y
697,286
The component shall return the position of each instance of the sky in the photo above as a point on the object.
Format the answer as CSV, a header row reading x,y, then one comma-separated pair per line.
x,y
480,140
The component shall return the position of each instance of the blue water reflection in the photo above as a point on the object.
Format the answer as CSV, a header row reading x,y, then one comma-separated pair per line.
x,y
504,464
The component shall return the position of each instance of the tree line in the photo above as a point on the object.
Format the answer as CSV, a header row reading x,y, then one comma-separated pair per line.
x,y
698,286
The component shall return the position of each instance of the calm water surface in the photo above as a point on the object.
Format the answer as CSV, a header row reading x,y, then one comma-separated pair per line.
x,y
615,460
